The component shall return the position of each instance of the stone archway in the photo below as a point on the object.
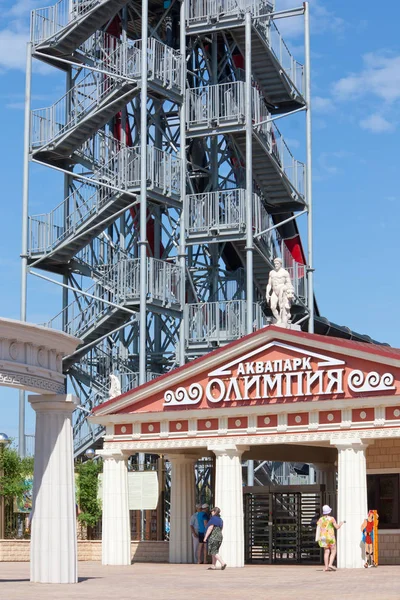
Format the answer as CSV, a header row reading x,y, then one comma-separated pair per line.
x,y
31,359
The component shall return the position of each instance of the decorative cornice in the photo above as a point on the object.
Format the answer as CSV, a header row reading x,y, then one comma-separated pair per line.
x,y
31,382
31,356
246,411
258,440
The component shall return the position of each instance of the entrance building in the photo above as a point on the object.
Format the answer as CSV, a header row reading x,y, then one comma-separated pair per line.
x,y
275,394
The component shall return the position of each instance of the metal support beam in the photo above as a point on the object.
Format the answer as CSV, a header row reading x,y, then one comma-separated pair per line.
x,y
249,178
182,141
249,200
143,200
24,245
307,76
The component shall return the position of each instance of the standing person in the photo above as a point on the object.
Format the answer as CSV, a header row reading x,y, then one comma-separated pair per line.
x,y
194,528
325,536
368,532
202,519
214,537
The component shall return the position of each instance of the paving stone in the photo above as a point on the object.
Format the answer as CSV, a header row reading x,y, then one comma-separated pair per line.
x,y
195,582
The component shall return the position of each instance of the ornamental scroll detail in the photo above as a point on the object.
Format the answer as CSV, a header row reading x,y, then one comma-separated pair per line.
x,y
182,396
370,382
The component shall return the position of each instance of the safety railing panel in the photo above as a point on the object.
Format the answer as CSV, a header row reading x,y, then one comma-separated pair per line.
x,y
79,102
216,104
276,144
298,278
163,170
99,149
293,68
49,230
220,321
163,281
214,212
225,211
48,21
205,10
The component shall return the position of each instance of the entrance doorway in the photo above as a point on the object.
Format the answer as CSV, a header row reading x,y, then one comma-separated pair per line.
x,y
279,524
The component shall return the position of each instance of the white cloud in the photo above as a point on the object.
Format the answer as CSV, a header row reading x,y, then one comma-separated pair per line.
x,y
22,8
16,105
322,105
14,37
13,49
321,20
380,77
329,164
377,124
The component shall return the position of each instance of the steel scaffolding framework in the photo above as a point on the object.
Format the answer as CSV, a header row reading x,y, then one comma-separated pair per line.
x,y
179,188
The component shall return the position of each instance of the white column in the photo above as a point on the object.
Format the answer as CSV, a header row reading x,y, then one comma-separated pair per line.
x,y
53,540
116,529
229,498
352,501
182,508
326,474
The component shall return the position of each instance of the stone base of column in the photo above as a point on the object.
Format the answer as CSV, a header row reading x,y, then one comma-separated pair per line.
x,y
53,540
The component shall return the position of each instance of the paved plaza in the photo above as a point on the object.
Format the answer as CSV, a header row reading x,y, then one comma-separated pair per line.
x,y
195,582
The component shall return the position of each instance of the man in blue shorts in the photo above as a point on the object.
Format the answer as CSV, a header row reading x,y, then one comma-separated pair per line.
x,y
202,519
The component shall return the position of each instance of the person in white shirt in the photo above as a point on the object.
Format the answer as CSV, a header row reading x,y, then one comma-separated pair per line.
x,y
194,528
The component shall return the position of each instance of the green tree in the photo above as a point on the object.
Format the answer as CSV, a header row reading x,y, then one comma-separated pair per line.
x,y
15,472
87,485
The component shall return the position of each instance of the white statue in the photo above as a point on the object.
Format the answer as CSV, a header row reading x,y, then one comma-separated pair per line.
x,y
115,386
280,293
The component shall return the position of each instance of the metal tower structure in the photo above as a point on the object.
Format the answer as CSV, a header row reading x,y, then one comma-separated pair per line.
x,y
179,188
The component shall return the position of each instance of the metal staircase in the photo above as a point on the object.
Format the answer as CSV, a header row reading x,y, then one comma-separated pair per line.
x,y
151,240
112,299
276,71
59,29
56,238
98,95
218,109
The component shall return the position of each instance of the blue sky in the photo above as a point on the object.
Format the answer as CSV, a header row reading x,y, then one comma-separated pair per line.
x,y
356,120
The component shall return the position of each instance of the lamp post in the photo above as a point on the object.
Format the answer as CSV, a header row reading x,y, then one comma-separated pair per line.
x,y
4,440
90,453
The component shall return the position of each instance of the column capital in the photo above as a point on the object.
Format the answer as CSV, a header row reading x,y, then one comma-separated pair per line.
x,y
53,402
227,449
181,458
354,443
110,454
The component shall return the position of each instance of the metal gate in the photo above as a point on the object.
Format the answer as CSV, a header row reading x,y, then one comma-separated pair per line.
x,y
278,524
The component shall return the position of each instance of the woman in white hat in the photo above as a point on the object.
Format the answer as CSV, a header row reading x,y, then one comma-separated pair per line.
x,y
325,536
